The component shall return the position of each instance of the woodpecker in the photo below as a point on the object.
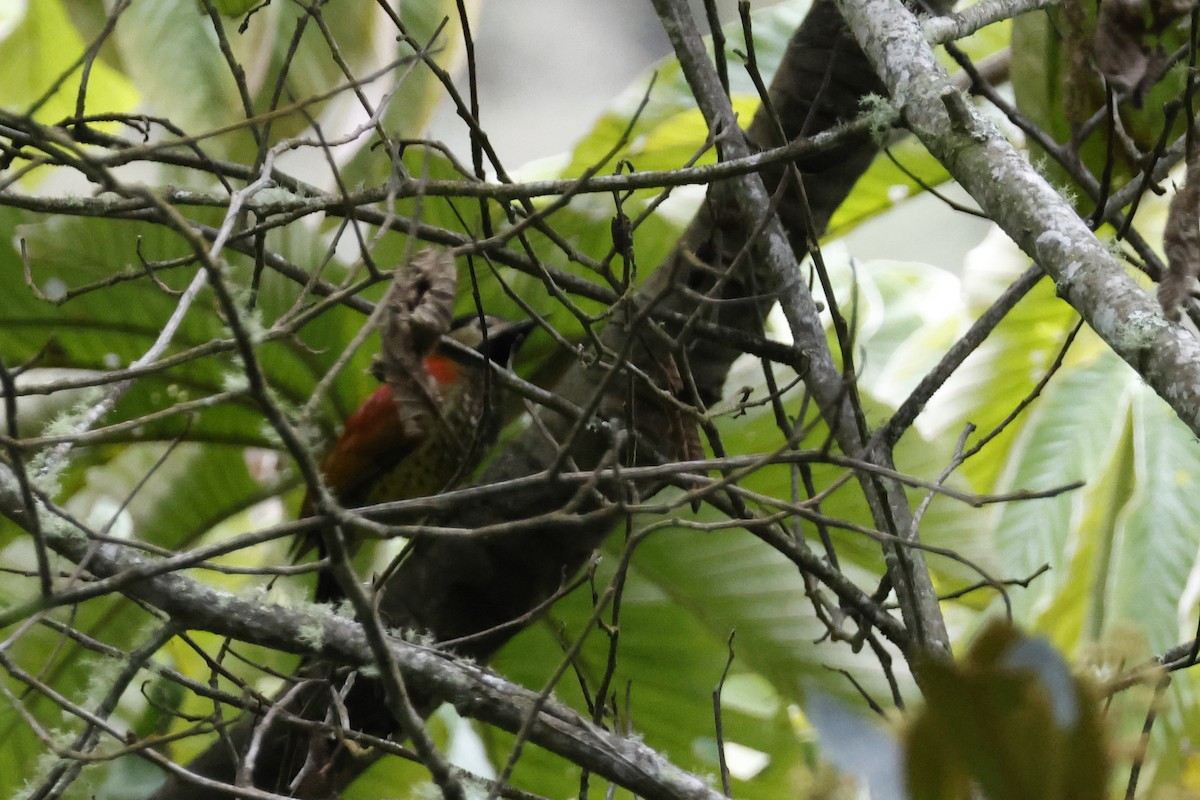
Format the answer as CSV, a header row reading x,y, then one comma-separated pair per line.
x,y
427,428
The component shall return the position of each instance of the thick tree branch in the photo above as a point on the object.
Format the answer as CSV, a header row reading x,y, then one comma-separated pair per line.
x,y
1038,219
773,263
736,259
737,249
459,587
472,690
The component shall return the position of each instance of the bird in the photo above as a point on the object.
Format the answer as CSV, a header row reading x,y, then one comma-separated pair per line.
x,y
439,409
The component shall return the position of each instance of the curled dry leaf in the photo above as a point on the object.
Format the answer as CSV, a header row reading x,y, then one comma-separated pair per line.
x,y
418,310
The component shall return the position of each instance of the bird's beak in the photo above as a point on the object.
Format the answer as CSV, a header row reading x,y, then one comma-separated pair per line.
x,y
520,329
507,338
503,337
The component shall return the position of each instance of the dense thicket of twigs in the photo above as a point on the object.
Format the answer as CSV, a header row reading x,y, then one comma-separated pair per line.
x,y
208,330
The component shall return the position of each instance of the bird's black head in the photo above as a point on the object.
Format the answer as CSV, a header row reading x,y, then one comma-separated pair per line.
x,y
494,337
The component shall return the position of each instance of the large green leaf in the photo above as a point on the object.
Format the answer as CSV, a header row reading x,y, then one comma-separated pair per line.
x,y
38,46
1010,718
1007,365
169,44
112,326
686,593
1121,549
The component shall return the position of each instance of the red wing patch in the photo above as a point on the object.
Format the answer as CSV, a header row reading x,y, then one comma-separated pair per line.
x,y
373,441
444,370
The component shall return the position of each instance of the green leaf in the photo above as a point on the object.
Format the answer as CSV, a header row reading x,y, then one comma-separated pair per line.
x,y
168,44
232,8
97,332
1059,445
1007,365
699,588
885,184
192,492
1011,717
39,45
